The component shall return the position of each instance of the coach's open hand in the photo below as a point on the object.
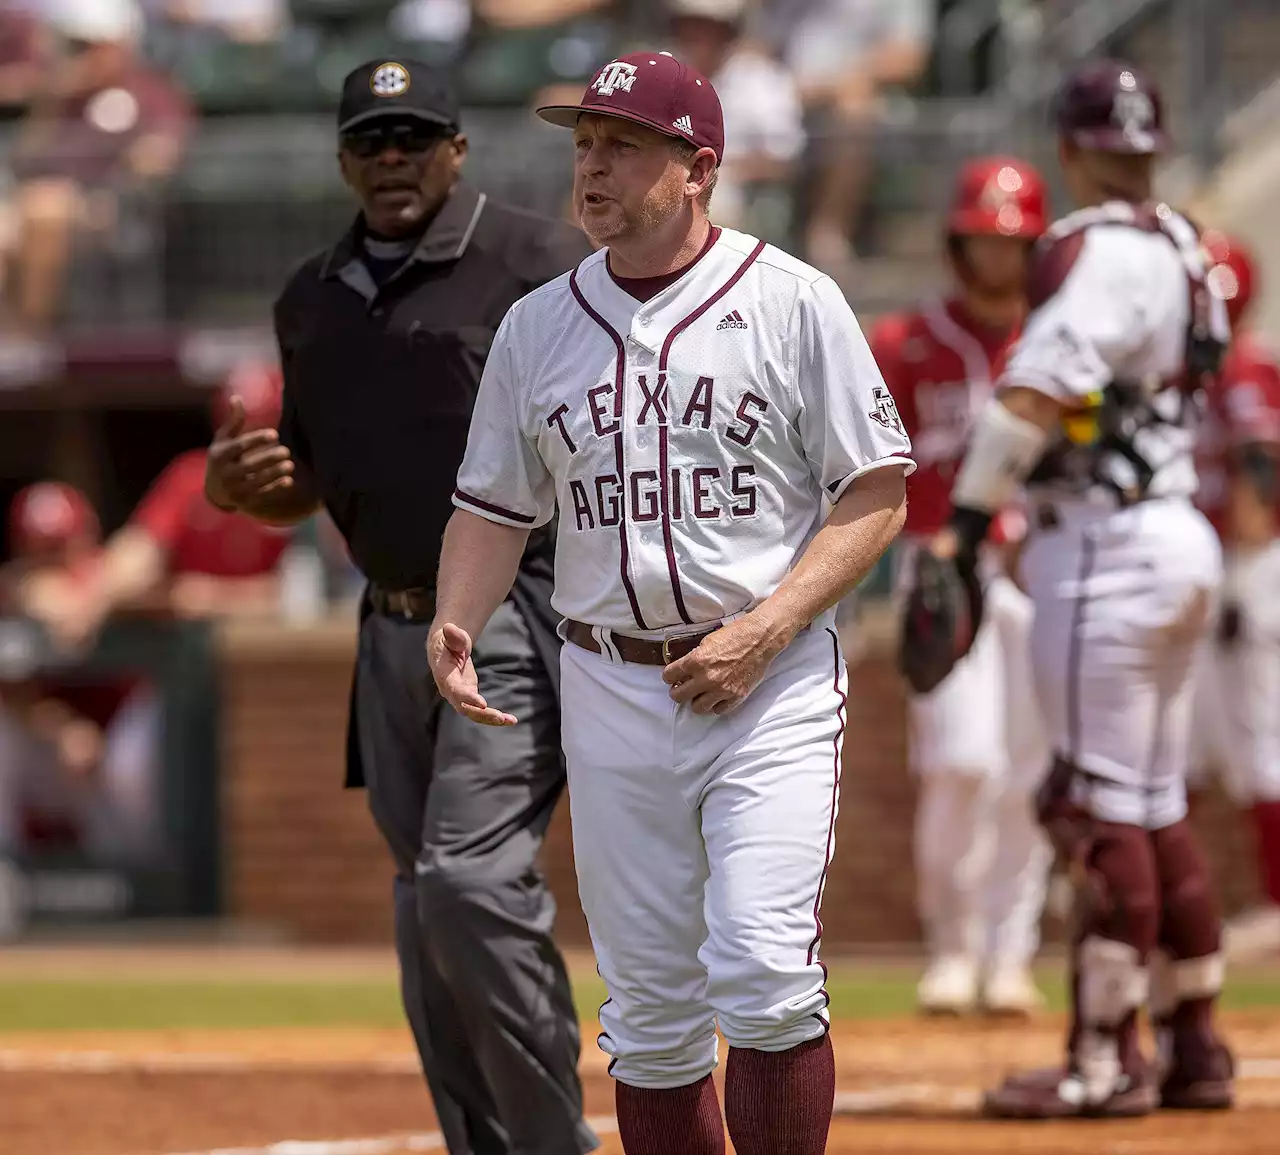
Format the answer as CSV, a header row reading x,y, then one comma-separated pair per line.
x,y
244,467
726,666
449,652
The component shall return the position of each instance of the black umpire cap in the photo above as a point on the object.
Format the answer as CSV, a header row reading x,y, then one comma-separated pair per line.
x,y
1111,106
397,88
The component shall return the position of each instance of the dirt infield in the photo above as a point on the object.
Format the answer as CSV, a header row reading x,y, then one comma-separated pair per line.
x,y
906,1088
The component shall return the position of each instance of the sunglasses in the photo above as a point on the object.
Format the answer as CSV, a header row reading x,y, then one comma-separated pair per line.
x,y
411,139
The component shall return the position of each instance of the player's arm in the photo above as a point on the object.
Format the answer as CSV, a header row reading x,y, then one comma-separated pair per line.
x,y
1009,437
504,492
861,526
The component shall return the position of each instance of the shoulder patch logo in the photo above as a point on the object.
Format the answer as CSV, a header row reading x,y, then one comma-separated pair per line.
x,y
886,410
390,79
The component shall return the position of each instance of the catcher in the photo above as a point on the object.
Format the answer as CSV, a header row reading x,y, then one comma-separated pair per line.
x,y
976,743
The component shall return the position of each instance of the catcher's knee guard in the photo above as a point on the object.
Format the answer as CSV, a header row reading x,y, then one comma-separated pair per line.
x,y
1112,982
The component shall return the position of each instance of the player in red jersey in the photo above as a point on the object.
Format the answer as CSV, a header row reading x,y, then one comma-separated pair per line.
x,y
1237,685
179,554
975,742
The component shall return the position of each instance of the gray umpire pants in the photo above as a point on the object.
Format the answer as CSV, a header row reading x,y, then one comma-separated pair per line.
x,y
464,809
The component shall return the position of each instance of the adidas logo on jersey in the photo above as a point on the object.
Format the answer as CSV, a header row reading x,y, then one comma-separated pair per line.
x,y
732,321
684,124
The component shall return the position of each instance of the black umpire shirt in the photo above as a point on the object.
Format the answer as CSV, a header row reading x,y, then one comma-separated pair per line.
x,y
382,362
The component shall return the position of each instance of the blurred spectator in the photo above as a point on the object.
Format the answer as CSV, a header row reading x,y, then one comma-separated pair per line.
x,y
528,51
177,554
76,753
56,541
103,129
24,50
764,129
250,21
846,56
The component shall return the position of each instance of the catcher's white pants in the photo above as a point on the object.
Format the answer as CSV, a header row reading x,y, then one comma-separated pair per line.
x,y
1236,708
978,747
702,846
1122,600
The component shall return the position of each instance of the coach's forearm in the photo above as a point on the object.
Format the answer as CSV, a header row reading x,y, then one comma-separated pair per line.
x,y
863,524
478,564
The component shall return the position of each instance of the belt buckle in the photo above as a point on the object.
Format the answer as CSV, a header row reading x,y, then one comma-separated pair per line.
x,y
666,643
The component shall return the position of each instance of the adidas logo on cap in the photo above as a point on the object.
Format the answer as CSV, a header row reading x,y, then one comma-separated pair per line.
x,y
732,321
684,124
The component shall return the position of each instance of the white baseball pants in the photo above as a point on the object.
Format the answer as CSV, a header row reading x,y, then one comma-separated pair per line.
x,y
702,846
1237,685
1122,600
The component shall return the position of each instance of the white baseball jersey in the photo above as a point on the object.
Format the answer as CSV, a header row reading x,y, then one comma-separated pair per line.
x,y
1117,308
688,441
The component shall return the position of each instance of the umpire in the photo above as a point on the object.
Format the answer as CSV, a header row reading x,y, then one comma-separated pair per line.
x,y
383,339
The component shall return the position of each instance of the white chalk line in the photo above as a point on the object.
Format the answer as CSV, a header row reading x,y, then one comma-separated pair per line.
x,y
385,1145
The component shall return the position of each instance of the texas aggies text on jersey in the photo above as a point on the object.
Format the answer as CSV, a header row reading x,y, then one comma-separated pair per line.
x,y
686,459
1242,407
940,364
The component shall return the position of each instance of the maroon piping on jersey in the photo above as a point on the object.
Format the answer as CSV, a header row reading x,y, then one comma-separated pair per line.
x,y
665,488
831,826
619,383
511,514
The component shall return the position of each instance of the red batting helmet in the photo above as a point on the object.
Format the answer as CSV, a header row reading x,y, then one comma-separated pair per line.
x,y
258,384
998,196
46,517
1111,106
1232,273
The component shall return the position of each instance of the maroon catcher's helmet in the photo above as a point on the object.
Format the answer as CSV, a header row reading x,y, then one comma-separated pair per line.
x,y
998,196
1111,106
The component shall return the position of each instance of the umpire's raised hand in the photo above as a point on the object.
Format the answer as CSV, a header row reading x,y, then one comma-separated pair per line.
x,y
245,467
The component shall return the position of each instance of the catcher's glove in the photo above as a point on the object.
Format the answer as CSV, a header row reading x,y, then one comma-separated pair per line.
x,y
942,616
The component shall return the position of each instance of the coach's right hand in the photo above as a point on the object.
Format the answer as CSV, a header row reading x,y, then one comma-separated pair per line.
x,y
242,468
449,654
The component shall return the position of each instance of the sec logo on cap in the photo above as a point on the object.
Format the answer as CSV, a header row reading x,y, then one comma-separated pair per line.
x,y
389,80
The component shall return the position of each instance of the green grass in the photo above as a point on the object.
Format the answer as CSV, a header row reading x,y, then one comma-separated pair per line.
x,y
86,1004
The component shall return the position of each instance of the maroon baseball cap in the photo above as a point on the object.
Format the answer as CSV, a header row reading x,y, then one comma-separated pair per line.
x,y
653,89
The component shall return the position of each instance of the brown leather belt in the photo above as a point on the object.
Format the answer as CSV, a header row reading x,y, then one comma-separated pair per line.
x,y
639,651
417,605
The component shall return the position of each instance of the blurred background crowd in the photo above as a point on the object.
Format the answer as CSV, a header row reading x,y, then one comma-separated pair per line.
x,y
165,163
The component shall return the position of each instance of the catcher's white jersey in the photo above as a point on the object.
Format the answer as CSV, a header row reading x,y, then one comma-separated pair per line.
x,y
688,442
1119,313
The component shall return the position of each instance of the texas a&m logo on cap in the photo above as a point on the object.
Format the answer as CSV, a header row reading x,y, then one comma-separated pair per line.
x,y
618,76
389,79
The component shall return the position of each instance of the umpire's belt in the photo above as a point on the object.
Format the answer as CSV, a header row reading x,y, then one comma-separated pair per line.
x,y
416,605
639,651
